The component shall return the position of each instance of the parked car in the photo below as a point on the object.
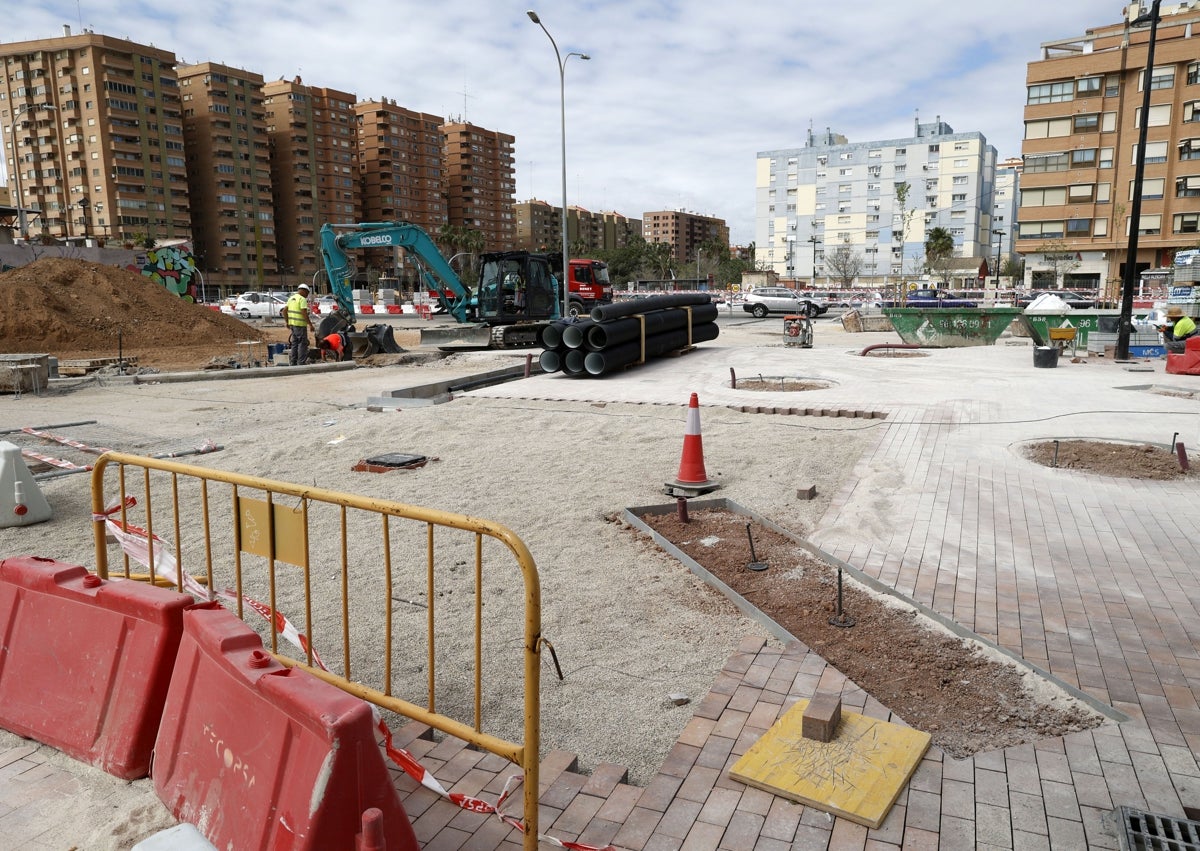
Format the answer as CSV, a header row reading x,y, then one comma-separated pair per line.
x,y
763,300
259,305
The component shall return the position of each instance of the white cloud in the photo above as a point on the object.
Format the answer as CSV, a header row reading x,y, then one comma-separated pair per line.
x,y
677,99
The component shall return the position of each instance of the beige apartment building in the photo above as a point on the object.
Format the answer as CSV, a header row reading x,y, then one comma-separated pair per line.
x,y
229,176
314,168
539,228
481,182
684,232
93,142
1082,119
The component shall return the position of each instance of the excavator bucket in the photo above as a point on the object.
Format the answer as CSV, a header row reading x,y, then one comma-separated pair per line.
x,y
384,339
362,344
463,337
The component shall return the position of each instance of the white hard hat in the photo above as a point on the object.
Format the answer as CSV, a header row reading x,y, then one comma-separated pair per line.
x,y
303,287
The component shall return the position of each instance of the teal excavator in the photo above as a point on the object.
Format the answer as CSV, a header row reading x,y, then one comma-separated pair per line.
x,y
517,296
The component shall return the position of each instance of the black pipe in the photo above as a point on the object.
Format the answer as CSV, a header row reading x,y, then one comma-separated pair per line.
x,y
642,305
616,357
551,336
617,331
573,363
575,334
550,360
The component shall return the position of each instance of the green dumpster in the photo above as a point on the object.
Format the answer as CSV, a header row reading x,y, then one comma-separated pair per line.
x,y
951,327
1085,322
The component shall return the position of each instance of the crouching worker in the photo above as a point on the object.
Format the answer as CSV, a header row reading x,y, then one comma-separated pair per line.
x,y
1179,327
335,346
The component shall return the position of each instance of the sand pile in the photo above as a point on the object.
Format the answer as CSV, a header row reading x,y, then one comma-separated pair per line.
x,y
59,305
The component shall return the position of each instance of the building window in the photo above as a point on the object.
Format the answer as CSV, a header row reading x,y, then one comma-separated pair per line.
x,y
1087,123
1193,73
1189,149
1156,152
1049,197
1187,223
1086,86
1050,93
1150,225
1160,78
1106,158
1083,158
1187,187
1040,163
1079,227
1081,192
1040,230
1112,85
1152,187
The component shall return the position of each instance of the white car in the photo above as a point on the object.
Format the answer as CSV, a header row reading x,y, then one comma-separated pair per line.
x,y
258,305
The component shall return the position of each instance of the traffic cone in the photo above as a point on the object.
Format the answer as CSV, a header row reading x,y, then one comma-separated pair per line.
x,y
692,479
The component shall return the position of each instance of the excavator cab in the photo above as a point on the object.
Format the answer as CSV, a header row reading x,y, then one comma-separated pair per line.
x,y
516,286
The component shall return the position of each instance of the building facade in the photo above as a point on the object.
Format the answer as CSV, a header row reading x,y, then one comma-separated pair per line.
x,y
685,232
878,198
481,182
539,228
1082,123
229,175
313,134
93,140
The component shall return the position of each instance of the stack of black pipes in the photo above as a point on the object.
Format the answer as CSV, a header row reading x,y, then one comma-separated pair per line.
x,y
611,338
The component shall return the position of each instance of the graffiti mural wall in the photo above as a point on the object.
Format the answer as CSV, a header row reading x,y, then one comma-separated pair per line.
x,y
173,266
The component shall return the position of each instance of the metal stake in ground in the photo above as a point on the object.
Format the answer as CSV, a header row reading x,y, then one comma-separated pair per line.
x,y
841,618
754,564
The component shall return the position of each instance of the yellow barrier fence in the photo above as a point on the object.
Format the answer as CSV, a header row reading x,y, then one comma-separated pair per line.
x,y
368,581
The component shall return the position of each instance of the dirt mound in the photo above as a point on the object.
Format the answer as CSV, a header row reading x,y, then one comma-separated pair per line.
x,y
73,308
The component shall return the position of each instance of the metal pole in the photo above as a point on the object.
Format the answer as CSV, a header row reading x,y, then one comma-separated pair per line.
x,y
562,103
22,223
999,236
1135,209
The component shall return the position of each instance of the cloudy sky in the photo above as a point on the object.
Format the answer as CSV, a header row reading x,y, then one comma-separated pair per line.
x,y
677,98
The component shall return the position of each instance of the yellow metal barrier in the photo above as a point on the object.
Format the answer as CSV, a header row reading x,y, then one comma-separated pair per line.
x,y
270,523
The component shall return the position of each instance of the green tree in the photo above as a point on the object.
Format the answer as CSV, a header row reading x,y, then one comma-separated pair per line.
x,y
904,218
939,254
1058,259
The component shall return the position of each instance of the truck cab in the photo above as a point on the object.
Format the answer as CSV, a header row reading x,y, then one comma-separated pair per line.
x,y
589,285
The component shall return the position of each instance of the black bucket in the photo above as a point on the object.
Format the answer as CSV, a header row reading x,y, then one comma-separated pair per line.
x,y
1045,357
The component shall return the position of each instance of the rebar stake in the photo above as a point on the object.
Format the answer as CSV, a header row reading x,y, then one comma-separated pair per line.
x,y
681,508
732,379
841,618
1054,463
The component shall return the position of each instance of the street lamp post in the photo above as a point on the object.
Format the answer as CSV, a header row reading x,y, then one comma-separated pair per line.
x,y
562,102
1135,206
813,239
999,236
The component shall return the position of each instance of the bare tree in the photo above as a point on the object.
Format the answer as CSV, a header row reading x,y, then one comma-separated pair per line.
x,y
905,216
845,263
1057,257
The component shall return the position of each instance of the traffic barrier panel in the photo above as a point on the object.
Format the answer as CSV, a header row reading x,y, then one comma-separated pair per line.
x,y
260,756
85,663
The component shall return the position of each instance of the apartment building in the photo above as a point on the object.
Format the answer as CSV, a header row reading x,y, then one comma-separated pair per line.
x,y
1004,211
539,228
229,176
313,133
481,182
685,232
809,201
93,140
1083,116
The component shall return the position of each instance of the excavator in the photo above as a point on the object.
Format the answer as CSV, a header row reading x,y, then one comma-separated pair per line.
x,y
517,296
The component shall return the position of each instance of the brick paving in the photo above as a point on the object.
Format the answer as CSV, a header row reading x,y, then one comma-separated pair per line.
x,y
1090,579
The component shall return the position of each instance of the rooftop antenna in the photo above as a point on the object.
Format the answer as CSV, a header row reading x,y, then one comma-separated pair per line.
x,y
465,96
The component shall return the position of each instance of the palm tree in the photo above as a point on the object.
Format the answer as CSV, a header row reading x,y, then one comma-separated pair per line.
x,y
939,252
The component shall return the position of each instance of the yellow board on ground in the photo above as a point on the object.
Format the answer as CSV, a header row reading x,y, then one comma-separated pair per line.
x,y
858,775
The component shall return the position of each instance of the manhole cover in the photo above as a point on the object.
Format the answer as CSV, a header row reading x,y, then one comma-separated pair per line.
x,y
390,461
1150,830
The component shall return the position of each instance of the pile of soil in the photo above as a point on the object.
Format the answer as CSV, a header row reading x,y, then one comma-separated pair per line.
x,y
72,308
1125,460
966,701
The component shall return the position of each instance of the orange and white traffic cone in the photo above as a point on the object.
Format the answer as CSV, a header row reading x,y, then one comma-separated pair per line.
x,y
692,480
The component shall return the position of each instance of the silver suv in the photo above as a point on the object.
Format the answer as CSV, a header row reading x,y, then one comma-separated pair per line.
x,y
763,300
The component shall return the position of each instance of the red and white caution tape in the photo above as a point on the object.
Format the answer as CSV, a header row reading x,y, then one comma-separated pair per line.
x,y
65,441
61,463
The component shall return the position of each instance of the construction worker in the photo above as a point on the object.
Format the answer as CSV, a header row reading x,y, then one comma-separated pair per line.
x,y
299,322
1178,328
335,344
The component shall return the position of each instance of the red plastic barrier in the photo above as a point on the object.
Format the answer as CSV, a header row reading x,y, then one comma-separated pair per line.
x,y
85,664
1187,363
394,308
259,756
366,308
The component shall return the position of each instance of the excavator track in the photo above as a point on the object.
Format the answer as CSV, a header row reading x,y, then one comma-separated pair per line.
x,y
523,336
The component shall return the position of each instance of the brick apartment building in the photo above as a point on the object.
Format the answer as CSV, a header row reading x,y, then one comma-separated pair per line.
x,y
684,232
1082,118
481,182
539,227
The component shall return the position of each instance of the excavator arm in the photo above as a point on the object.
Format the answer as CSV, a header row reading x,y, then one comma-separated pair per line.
x,y
336,240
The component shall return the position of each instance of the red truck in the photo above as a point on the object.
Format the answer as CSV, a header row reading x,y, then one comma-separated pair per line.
x,y
589,286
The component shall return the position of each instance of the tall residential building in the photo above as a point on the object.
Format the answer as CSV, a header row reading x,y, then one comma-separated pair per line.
x,y
314,171
1082,122
1004,211
539,228
684,232
229,175
812,200
481,182
93,139
400,165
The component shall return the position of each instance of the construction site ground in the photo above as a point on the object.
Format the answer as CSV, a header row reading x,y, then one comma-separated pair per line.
x,y
1090,578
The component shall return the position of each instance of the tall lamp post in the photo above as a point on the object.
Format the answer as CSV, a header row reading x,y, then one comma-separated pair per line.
x,y
1135,207
813,239
999,236
562,102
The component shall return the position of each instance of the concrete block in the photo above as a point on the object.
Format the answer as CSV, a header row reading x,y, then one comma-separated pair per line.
x,y
807,493
821,717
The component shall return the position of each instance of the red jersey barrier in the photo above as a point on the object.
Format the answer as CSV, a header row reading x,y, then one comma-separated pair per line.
x,y
86,663
260,756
